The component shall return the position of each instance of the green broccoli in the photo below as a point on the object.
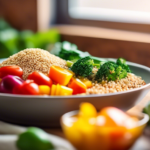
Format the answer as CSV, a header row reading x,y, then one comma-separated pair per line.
x,y
83,67
110,71
69,51
122,63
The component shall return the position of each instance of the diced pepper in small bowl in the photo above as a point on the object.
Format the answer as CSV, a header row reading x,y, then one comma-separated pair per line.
x,y
109,129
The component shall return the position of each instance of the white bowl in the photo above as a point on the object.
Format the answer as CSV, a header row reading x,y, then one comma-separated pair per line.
x,y
47,110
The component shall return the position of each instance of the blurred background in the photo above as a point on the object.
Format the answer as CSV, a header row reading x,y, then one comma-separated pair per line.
x,y
110,28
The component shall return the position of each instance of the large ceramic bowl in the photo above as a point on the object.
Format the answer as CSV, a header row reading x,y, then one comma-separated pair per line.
x,y
47,110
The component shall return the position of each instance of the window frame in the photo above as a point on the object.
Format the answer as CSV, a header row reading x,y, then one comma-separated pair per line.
x,y
62,17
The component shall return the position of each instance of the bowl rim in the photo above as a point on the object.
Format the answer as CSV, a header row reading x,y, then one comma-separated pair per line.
x,y
68,115
83,96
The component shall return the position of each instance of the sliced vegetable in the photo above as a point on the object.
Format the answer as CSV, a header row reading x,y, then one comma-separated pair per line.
x,y
87,82
87,110
11,70
34,139
9,82
122,119
65,90
60,75
27,88
40,78
77,85
44,90
53,90
60,90
69,63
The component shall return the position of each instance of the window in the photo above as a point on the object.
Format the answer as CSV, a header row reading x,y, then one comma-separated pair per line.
x,y
131,15
129,11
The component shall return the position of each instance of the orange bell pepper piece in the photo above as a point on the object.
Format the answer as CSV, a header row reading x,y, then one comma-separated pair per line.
x,y
77,85
115,117
87,82
60,75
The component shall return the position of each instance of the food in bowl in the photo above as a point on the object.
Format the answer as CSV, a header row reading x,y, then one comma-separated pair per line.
x,y
109,129
46,74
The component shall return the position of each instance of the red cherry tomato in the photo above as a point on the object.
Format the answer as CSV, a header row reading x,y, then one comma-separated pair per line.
x,y
27,88
11,70
40,78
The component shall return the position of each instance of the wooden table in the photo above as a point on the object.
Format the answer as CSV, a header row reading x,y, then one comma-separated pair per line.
x,y
143,143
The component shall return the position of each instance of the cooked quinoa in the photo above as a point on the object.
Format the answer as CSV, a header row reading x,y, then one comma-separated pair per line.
x,y
130,82
34,59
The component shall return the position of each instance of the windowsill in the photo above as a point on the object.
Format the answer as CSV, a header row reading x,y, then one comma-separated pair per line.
x,y
97,32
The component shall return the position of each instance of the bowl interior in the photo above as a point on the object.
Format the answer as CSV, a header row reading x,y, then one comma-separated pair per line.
x,y
70,118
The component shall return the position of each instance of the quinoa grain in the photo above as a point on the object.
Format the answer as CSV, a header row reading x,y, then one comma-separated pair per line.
x,y
130,82
34,59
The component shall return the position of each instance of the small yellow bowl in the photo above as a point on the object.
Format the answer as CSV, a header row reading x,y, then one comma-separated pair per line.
x,y
85,137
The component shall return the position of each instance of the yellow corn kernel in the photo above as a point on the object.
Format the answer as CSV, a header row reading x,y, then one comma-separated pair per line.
x,y
44,90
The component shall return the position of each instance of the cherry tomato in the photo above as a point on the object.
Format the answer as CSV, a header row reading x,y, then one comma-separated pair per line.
x,y
11,70
40,78
27,88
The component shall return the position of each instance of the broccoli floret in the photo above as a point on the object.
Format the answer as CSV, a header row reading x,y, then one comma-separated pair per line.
x,y
110,71
69,51
83,67
122,62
